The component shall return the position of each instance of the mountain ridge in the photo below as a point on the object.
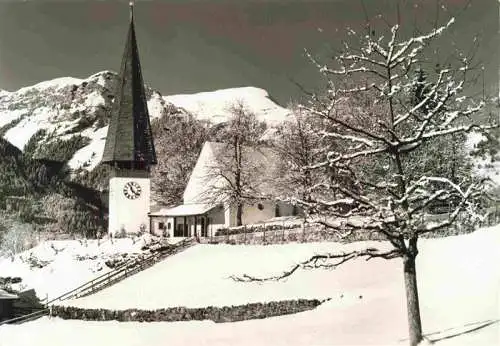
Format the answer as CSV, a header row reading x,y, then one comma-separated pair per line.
x,y
65,107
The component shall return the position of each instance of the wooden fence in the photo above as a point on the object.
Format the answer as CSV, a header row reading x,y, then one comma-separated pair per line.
x,y
117,274
276,233
122,272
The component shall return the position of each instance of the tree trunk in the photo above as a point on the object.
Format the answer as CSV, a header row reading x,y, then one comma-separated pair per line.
x,y
237,181
413,307
239,213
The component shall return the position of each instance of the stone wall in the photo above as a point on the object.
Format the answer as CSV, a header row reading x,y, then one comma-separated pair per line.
x,y
216,314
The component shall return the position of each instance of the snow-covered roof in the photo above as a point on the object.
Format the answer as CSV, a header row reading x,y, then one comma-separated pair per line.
x,y
261,167
6,295
185,210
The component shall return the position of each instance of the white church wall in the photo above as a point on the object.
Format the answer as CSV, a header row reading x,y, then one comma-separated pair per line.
x,y
217,220
156,222
228,215
159,221
287,209
126,213
253,214
222,217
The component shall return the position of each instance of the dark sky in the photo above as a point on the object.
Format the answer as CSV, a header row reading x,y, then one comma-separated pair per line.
x,y
191,46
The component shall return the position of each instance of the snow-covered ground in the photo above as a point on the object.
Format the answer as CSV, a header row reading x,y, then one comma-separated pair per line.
x,y
485,167
215,105
199,277
459,282
90,155
68,263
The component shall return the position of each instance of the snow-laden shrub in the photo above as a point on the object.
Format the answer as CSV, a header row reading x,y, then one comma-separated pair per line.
x,y
255,228
19,237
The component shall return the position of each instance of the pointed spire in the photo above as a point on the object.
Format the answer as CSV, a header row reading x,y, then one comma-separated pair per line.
x,y
129,143
131,5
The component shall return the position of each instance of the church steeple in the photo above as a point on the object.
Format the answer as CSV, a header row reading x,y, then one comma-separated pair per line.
x,y
129,142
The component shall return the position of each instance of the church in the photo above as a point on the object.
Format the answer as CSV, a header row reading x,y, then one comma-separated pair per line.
x,y
129,148
130,152
206,207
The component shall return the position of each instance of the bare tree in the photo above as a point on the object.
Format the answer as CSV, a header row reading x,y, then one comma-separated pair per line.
x,y
375,136
297,144
234,170
179,141
19,237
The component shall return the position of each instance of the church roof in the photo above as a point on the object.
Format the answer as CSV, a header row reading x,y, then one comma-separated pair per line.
x,y
185,210
129,138
261,169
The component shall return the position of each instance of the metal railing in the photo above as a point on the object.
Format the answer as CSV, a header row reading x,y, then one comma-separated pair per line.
x,y
28,317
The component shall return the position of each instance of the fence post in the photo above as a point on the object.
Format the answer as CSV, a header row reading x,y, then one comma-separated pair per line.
x,y
245,233
283,230
496,213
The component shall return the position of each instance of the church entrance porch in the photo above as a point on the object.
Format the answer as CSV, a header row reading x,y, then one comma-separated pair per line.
x,y
190,226
186,220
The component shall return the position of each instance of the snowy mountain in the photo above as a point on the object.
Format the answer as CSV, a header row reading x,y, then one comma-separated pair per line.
x,y
215,105
63,109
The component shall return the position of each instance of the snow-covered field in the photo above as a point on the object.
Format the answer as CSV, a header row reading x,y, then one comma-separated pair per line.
x,y
69,263
199,277
459,282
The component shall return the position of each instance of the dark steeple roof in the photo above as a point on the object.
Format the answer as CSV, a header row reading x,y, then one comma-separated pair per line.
x,y
129,143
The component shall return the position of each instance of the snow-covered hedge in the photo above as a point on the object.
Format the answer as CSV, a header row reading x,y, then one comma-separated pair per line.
x,y
304,234
256,228
216,314
286,233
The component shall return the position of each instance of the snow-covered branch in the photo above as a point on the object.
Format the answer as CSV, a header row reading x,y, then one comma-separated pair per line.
x,y
347,137
421,40
324,261
466,196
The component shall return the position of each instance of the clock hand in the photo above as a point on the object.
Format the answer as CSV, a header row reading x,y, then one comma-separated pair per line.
x,y
135,190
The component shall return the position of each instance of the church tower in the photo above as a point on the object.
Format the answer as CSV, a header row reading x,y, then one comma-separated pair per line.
x,y
129,147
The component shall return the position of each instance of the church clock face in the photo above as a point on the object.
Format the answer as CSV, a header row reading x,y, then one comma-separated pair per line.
x,y
132,190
